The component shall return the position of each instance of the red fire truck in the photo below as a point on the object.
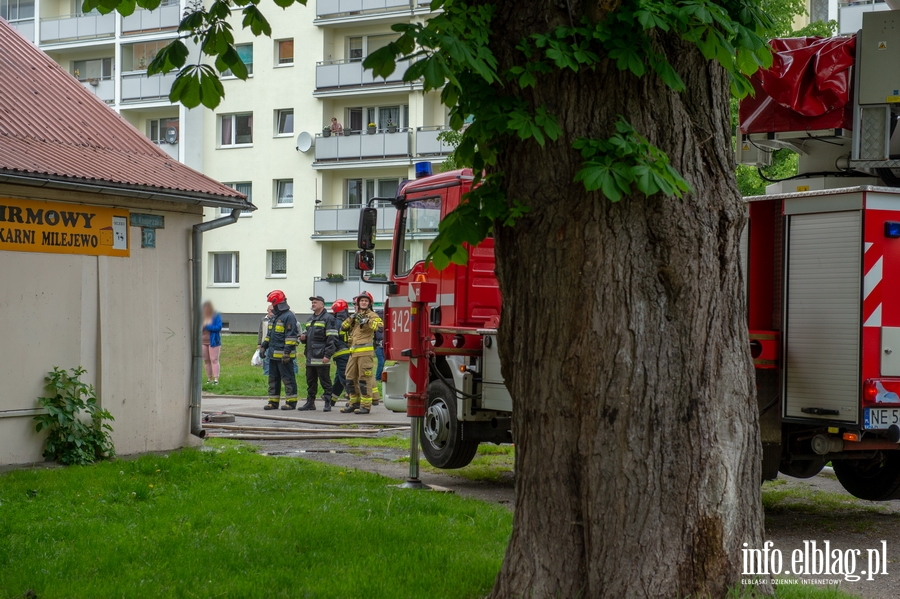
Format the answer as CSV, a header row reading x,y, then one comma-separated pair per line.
x,y
819,256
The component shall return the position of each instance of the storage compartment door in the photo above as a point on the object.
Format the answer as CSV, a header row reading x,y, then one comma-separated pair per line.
x,y
822,337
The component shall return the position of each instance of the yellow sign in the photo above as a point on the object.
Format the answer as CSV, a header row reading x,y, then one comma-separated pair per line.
x,y
803,188
59,228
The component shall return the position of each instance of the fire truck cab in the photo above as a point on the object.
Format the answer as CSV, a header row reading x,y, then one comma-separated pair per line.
x,y
467,400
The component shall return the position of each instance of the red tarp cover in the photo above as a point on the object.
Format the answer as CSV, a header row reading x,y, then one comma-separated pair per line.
x,y
807,87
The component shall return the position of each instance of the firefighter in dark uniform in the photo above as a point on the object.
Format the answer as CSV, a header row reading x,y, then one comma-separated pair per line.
x,y
280,346
321,340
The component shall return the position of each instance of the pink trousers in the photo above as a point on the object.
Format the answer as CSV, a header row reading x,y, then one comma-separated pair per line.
x,y
211,360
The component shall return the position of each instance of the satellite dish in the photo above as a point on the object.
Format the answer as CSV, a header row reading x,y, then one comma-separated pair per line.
x,y
305,141
171,135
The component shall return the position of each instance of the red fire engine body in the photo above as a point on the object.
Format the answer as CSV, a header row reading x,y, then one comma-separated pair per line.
x,y
820,253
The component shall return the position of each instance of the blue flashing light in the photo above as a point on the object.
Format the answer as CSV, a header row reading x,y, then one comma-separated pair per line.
x,y
423,169
892,229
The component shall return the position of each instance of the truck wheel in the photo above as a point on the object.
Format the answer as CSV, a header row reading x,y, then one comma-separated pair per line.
x,y
875,479
442,434
801,468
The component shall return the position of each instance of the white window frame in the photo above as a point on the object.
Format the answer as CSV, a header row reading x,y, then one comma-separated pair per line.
x,y
233,116
160,132
278,63
376,184
244,213
227,74
269,273
277,195
382,258
278,114
235,269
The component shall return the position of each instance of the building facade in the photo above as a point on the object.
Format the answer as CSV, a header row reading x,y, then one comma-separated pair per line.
x,y
266,138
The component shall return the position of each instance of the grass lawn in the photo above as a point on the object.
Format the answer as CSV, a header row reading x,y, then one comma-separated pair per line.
x,y
236,524
238,377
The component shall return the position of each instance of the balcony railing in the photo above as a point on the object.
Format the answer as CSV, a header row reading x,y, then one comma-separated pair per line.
x,y
364,146
78,27
339,7
850,14
25,27
334,74
105,89
340,219
138,87
167,16
428,144
347,290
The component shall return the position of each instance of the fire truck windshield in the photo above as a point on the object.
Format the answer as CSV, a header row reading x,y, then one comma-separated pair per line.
x,y
417,228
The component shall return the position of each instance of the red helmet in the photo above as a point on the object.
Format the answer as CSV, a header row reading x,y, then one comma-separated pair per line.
x,y
364,294
276,297
338,306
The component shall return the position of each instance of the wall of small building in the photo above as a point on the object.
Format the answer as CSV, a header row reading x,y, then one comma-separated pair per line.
x,y
125,320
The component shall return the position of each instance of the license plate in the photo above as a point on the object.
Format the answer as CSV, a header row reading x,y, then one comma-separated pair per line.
x,y
881,418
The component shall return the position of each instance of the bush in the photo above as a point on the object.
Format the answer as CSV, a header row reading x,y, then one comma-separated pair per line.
x,y
70,439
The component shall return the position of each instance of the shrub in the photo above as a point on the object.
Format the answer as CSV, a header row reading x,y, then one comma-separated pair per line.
x,y
71,438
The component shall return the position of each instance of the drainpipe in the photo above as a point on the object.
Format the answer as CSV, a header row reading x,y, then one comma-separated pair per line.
x,y
197,315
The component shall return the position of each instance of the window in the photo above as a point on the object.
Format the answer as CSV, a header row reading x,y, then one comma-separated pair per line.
x,y
237,130
356,49
359,191
245,52
382,263
381,115
84,70
284,192
15,10
284,122
137,57
418,226
157,128
225,268
284,52
277,263
355,119
244,188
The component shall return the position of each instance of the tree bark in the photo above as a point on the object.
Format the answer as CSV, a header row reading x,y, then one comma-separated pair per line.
x,y
624,342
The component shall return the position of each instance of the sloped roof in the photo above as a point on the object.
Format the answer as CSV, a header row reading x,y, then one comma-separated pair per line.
x,y
52,128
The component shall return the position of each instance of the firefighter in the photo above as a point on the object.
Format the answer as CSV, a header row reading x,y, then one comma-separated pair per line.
x,y
280,346
360,329
320,338
339,310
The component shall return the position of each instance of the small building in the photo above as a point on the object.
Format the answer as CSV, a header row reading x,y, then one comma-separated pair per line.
x,y
97,230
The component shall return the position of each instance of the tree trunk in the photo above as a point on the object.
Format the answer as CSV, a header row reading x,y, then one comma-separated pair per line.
x,y
624,340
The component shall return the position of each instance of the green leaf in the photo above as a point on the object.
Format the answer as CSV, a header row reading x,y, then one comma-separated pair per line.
x,y
126,7
169,58
230,59
383,63
257,23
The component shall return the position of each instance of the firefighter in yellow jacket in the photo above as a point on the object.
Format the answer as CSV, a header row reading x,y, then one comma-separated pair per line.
x,y
360,330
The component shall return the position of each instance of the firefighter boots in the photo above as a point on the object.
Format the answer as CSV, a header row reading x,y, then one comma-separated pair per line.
x,y
327,407
310,405
289,405
362,411
349,408
272,405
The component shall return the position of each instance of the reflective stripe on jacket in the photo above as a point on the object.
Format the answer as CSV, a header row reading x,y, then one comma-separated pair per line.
x,y
360,330
283,333
321,337
342,348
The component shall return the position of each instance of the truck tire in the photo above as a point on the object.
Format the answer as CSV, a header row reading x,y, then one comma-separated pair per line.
x,y
443,442
801,468
875,479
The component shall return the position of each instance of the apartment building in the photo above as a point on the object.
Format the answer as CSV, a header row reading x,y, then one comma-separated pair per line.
x,y
109,55
267,140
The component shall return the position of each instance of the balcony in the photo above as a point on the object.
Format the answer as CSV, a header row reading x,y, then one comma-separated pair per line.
x,y
347,290
330,9
334,75
850,14
105,89
24,27
358,147
138,87
166,17
339,222
77,27
428,144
